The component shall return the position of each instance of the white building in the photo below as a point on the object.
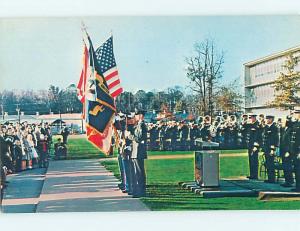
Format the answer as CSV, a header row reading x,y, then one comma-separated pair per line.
x,y
259,75
72,120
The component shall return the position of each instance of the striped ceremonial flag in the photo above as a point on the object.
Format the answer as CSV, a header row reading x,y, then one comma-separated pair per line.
x,y
81,86
108,68
100,107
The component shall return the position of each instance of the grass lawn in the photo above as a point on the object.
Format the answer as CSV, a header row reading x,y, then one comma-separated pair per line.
x,y
154,153
164,193
233,151
163,176
81,148
176,170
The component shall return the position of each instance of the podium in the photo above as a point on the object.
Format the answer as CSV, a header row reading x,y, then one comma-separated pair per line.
x,y
207,171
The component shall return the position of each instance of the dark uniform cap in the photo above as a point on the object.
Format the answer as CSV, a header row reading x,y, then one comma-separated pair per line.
x,y
129,115
121,115
251,115
140,112
270,117
296,111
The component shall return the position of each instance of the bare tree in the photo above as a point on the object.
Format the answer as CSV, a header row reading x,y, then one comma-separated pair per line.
x,y
204,69
229,99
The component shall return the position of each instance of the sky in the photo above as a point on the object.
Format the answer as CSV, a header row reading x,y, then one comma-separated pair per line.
x,y
150,51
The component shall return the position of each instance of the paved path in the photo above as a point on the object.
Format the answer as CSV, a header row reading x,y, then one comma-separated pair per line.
x,y
23,191
83,186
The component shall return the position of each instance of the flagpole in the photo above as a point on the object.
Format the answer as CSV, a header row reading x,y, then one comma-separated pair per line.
x,y
83,28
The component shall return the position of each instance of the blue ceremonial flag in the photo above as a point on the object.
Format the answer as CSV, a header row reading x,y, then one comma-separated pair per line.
x,y
100,107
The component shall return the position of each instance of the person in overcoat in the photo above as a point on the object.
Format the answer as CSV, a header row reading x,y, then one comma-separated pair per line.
x,y
139,154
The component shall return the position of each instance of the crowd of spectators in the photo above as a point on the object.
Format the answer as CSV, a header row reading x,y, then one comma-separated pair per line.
x,y
25,146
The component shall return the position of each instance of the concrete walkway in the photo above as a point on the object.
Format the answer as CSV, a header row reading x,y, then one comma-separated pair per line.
x,y
83,186
23,191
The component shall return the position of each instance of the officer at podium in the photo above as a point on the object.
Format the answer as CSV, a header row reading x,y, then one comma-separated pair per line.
x,y
253,143
270,143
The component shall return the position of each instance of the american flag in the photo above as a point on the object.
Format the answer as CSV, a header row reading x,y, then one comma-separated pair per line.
x,y
107,65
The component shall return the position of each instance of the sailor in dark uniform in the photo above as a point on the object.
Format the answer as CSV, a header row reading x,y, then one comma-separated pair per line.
x,y
168,132
205,130
287,160
161,135
194,134
270,143
153,135
220,134
232,132
183,135
243,130
139,154
295,147
262,120
126,149
253,143
121,125
174,135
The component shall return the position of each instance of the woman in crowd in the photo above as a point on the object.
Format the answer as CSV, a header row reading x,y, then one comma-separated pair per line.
x,y
26,151
31,149
42,148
